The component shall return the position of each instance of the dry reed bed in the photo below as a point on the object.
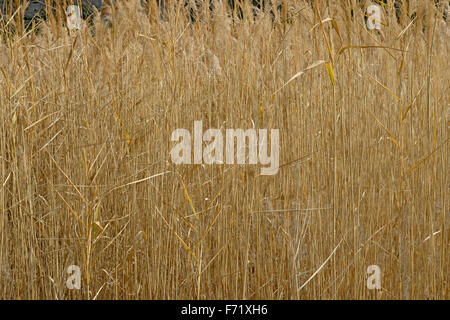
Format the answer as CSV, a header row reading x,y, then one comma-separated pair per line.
x,y
84,119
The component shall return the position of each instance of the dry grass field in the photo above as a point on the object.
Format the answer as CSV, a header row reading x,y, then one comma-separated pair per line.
x,y
86,176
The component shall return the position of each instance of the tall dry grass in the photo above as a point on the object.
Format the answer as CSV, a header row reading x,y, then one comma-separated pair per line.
x,y
86,177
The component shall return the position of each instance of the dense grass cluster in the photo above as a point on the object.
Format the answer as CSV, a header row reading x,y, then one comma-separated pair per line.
x,y
86,177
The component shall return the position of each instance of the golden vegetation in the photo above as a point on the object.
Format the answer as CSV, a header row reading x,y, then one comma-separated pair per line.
x,y
86,177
